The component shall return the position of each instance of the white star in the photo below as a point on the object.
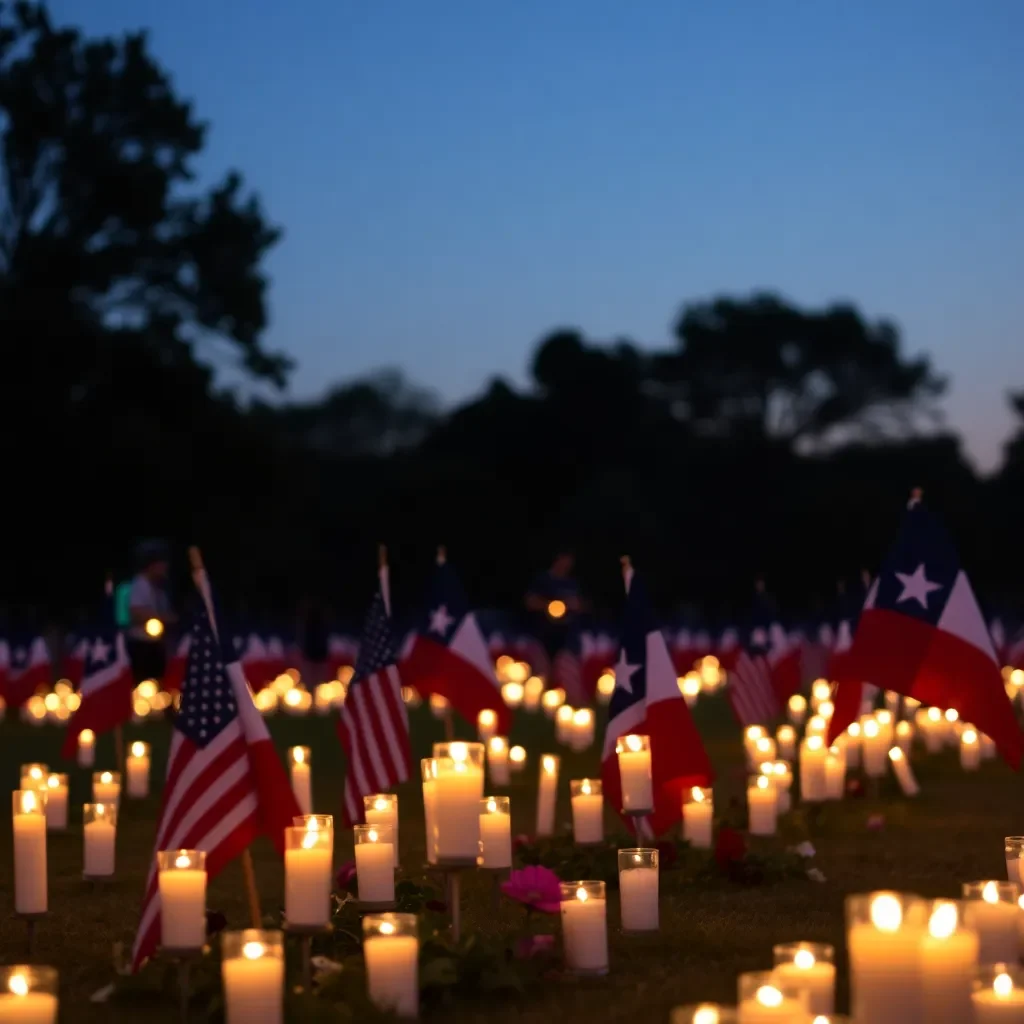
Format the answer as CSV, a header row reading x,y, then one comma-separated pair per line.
x,y
624,672
916,586
759,638
440,620
100,650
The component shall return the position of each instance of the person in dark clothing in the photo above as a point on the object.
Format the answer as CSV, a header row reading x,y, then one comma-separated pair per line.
x,y
150,612
314,642
554,603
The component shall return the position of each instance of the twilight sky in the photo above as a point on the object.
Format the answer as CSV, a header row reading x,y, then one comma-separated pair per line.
x,y
457,177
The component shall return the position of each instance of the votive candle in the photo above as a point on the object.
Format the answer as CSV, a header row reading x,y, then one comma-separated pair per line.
x,y
766,999
56,802
391,950
495,832
308,856
86,748
584,927
382,809
634,754
181,877
809,967
252,970
30,883
458,789
497,760
99,839
762,807
106,787
28,994
991,910
998,996
698,815
812,769
587,810
949,963
486,724
638,889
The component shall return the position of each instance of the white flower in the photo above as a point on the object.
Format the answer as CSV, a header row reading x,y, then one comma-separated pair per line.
x,y
815,875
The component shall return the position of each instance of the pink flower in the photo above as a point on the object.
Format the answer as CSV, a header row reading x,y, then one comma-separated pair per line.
x,y
535,887
876,822
345,875
534,945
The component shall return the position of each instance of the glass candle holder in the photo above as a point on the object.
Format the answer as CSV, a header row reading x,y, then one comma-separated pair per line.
x,y
99,839
458,790
584,913
1014,846
638,889
582,735
29,823
56,786
314,822
533,690
704,1013
547,794
811,968
991,910
252,969
86,755
563,724
302,777
33,775
308,856
762,806
949,960
883,937
698,816
382,809
767,999
28,994
495,833
634,754
587,800
497,760
998,996
181,876
391,950
552,700
375,865
106,787
136,768
428,773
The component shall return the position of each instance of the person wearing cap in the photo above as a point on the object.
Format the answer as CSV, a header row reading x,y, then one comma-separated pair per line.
x,y
150,613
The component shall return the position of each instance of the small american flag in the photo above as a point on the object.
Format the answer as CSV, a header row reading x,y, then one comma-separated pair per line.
x,y
750,682
565,671
373,727
225,783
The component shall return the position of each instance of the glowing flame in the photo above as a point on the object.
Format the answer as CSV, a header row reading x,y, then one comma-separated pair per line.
x,y
871,729
581,894
298,754
942,923
556,609
372,835
86,738
815,743
53,781
886,913
990,892
1002,986
804,959
18,985
768,995
183,861
706,1015
952,715
492,805
498,744
698,795
387,928
634,743
106,778
517,755
585,787
312,825
458,751
548,764
154,627
138,749
253,950
29,802
763,782
487,717
896,754
969,737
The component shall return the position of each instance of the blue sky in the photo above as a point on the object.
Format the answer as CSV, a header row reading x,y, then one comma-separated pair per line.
x,y
457,177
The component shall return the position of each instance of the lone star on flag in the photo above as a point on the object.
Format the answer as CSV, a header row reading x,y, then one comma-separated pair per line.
x,y
440,620
624,672
100,650
916,586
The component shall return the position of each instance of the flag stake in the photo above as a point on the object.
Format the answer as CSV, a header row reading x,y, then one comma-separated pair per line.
x,y
119,750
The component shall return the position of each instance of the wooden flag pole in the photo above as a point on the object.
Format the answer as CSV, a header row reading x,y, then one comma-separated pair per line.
x,y
195,558
119,751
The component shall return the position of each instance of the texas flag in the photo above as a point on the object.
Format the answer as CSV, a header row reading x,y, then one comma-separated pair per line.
x,y
922,634
29,669
449,655
647,702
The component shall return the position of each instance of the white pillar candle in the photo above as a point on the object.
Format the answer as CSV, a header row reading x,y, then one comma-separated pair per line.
x,y
584,927
765,999
764,749
302,781
705,1013
30,892
998,996
137,769
1013,845
949,962
934,730
33,775
885,721
375,864
28,995
458,790
86,748
382,809
391,951
835,774
638,890
853,745
533,690
903,772
796,707
428,771
785,742
99,840
563,724
970,750
782,773
904,733
582,737
634,753
874,749
762,807
512,694
751,735
495,832
810,968
106,787
698,818
516,759
181,877
587,810
812,769
252,969
547,794
552,700
497,760
884,935
56,802
486,724
991,910
308,855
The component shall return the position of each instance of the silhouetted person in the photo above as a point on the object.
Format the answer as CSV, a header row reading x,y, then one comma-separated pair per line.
x,y
313,642
150,612
554,602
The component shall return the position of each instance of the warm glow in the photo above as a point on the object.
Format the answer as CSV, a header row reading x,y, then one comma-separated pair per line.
x,y
1002,986
556,609
53,781
969,737
754,733
487,717
804,959
689,685
498,744
253,950
942,923
934,715
583,716
768,995
183,861
797,704
698,795
826,709
990,892
147,689
18,985
786,733
51,702
100,810
553,698
106,778
815,743
512,694
312,825
154,627
585,787
896,754
634,743
886,913
380,804
548,764
871,729
903,729
372,835
35,773
581,894
138,749
517,755
817,724
764,745
767,767
952,715
1017,677
606,684
458,751
502,664
29,803
492,805
387,928
293,698
763,782
706,1015
883,717
564,714
854,730
821,689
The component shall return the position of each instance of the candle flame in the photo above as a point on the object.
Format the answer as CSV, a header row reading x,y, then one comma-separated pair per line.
x,y
871,729
883,717
154,627
310,839
942,923
86,737
28,802
380,804
517,754
582,716
548,763
952,715
492,805
706,1015
768,995
804,959
990,892
1002,985
634,743
487,717
138,749
896,754
786,732
53,781
106,778
498,744
934,714
253,950
372,835
556,609
815,743
312,825
458,751
797,703
100,810
183,860
755,732
298,755
387,928
763,782
764,744
35,772
698,795
585,787
886,913
581,894
854,729
18,985
970,737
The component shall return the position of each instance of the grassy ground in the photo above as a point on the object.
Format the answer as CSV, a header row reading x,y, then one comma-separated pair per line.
x,y
952,833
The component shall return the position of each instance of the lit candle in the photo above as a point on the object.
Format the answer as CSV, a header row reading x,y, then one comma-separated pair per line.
x,y
533,690
391,950
951,733
991,910
751,735
1013,845
106,787
137,769
458,789
835,773
797,709
582,735
439,706
29,851
86,748
785,741
934,730
28,995
762,808
874,749
903,772
764,749
638,890
766,999
885,721
497,760
689,687
181,877
552,701
853,745
884,935
547,794
998,995
634,753
100,833
821,690
33,776
970,750
605,686
302,782
56,802
904,733
698,813
308,854
495,832
705,1013
816,725
587,810
375,865
252,969
563,724
949,962
486,724
584,927
810,968
782,773
512,693
428,770
382,809
812,769
516,759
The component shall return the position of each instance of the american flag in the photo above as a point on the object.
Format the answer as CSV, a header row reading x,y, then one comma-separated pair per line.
x,y
373,727
750,682
225,783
